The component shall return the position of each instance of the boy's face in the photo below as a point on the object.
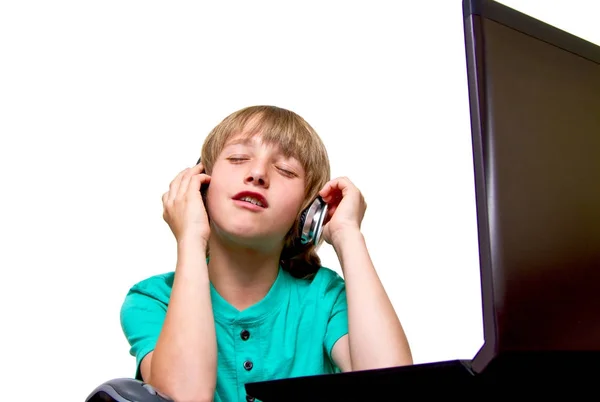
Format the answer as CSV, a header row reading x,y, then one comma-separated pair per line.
x,y
255,193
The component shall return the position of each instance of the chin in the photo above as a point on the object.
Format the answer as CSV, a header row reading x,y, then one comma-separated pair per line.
x,y
245,234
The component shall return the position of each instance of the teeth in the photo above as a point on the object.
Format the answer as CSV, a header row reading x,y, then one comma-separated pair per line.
x,y
252,200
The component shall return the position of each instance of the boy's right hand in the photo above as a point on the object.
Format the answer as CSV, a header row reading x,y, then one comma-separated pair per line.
x,y
183,208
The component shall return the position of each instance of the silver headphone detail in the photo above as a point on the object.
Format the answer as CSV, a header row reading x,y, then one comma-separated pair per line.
x,y
312,223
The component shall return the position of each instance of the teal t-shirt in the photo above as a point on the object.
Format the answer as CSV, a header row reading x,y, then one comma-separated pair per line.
x,y
289,333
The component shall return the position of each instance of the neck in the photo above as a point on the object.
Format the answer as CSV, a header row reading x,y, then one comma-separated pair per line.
x,y
242,275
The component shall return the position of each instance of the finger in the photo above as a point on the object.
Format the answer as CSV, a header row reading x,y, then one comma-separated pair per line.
x,y
326,190
196,183
185,182
174,186
204,179
333,191
199,168
343,185
330,211
336,184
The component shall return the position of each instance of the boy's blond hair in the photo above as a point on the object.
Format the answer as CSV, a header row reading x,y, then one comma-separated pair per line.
x,y
296,138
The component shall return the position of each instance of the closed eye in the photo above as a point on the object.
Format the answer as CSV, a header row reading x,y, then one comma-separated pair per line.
x,y
234,159
287,172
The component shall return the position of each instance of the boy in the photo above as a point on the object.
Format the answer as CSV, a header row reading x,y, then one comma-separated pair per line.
x,y
246,302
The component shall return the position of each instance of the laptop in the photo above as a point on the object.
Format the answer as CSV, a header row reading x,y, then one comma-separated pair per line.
x,y
534,94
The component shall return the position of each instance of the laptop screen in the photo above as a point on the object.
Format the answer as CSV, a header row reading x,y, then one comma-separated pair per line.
x,y
537,157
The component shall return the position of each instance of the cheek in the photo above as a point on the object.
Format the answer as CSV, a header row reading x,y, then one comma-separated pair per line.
x,y
214,195
291,206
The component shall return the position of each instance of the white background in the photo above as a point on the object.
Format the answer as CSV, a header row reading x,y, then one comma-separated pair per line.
x,y
103,103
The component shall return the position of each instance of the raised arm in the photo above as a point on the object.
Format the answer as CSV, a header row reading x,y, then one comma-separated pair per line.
x,y
375,337
184,361
183,364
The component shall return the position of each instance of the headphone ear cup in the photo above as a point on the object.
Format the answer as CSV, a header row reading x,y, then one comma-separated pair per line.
x,y
301,222
311,223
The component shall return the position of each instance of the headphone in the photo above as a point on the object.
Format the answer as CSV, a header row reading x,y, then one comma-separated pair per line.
x,y
311,221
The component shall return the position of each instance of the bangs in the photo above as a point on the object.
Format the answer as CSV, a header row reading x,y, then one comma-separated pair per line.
x,y
279,129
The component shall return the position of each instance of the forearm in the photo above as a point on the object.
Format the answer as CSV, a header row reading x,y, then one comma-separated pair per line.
x,y
376,337
185,358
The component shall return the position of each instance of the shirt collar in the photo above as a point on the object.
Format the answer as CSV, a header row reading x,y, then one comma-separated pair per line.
x,y
271,303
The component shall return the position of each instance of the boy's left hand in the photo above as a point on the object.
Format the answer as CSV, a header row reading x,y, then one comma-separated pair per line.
x,y
346,208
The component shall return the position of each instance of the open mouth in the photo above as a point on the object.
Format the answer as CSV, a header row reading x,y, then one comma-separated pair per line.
x,y
252,201
252,198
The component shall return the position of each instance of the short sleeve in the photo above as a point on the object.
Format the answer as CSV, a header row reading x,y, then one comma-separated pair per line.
x,y
142,318
337,326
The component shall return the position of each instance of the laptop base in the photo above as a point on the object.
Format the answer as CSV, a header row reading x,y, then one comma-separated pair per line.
x,y
518,373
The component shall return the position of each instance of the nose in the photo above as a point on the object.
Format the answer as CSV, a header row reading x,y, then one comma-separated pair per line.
x,y
257,175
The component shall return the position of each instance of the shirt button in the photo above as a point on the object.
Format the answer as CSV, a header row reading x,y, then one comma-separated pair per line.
x,y
245,335
248,365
